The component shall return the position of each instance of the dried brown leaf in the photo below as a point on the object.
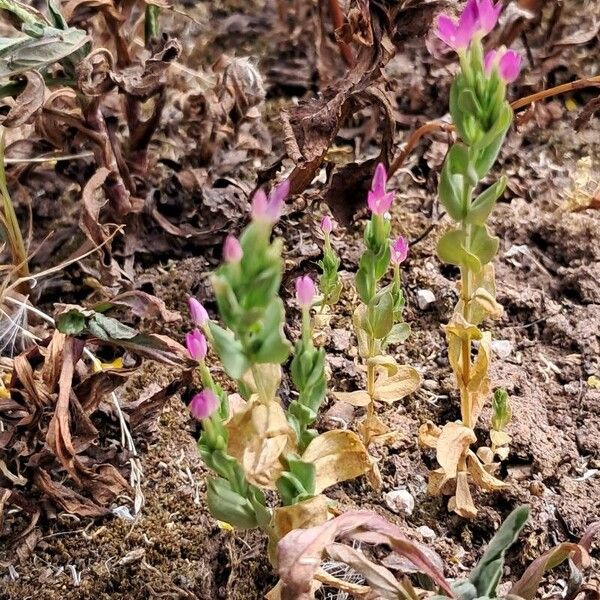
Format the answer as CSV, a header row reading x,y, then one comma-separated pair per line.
x,y
452,445
28,102
337,456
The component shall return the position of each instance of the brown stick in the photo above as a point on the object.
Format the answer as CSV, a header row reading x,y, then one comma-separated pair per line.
x,y
337,17
555,91
413,140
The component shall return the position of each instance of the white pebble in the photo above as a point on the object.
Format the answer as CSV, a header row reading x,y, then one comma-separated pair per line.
x,y
427,532
400,501
502,348
425,298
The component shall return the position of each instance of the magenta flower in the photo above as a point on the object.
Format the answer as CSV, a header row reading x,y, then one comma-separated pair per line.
x,y
196,345
399,250
508,63
478,18
197,312
269,209
232,250
204,404
327,225
379,200
305,291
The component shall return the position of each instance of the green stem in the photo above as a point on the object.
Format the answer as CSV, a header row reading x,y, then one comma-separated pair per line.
x,y
10,221
466,293
151,26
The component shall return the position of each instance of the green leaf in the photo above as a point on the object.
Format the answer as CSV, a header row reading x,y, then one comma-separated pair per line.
x,y
57,19
488,147
483,245
381,314
273,345
71,323
450,190
468,103
229,506
486,575
483,205
43,47
398,334
230,351
112,328
451,249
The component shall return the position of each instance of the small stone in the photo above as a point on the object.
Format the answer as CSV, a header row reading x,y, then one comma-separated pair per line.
x,y
573,388
425,298
431,384
339,416
400,501
340,339
536,488
502,348
426,532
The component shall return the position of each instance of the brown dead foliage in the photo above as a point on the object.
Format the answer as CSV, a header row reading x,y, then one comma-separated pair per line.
x,y
56,449
310,129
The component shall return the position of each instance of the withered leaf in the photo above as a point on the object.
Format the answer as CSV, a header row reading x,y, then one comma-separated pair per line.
x,y
452,445
258,436
481,477
141,304
300,552
337,456
356,398
462,502
404,382
302,515
28,102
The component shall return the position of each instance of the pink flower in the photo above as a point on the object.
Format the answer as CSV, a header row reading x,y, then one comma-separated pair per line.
x,y
305,291
197,312
508,63
399,250
478,18
204,404
232,250
327,225
379,200
196,345
269,209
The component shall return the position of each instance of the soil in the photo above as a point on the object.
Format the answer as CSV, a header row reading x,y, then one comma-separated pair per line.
x,y
548,273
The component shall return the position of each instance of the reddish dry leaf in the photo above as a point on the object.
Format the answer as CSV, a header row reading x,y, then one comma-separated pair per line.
x,y
529,583
300,552
143,305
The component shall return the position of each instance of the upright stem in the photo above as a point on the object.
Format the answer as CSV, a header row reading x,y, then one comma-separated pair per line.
x,y
466,293
13,233
371,380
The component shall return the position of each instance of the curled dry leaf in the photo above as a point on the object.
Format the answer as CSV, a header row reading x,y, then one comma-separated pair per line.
x,y
429,434
28,102
337,456
300,552
404,382
141,304
258,435
452,445
379,579
462,503
481,476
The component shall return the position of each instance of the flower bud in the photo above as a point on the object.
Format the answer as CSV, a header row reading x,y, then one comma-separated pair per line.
x,y
196,345
232,250
399,250
508,63
204,404
379,200
327,225
269,209
197,312
305,291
